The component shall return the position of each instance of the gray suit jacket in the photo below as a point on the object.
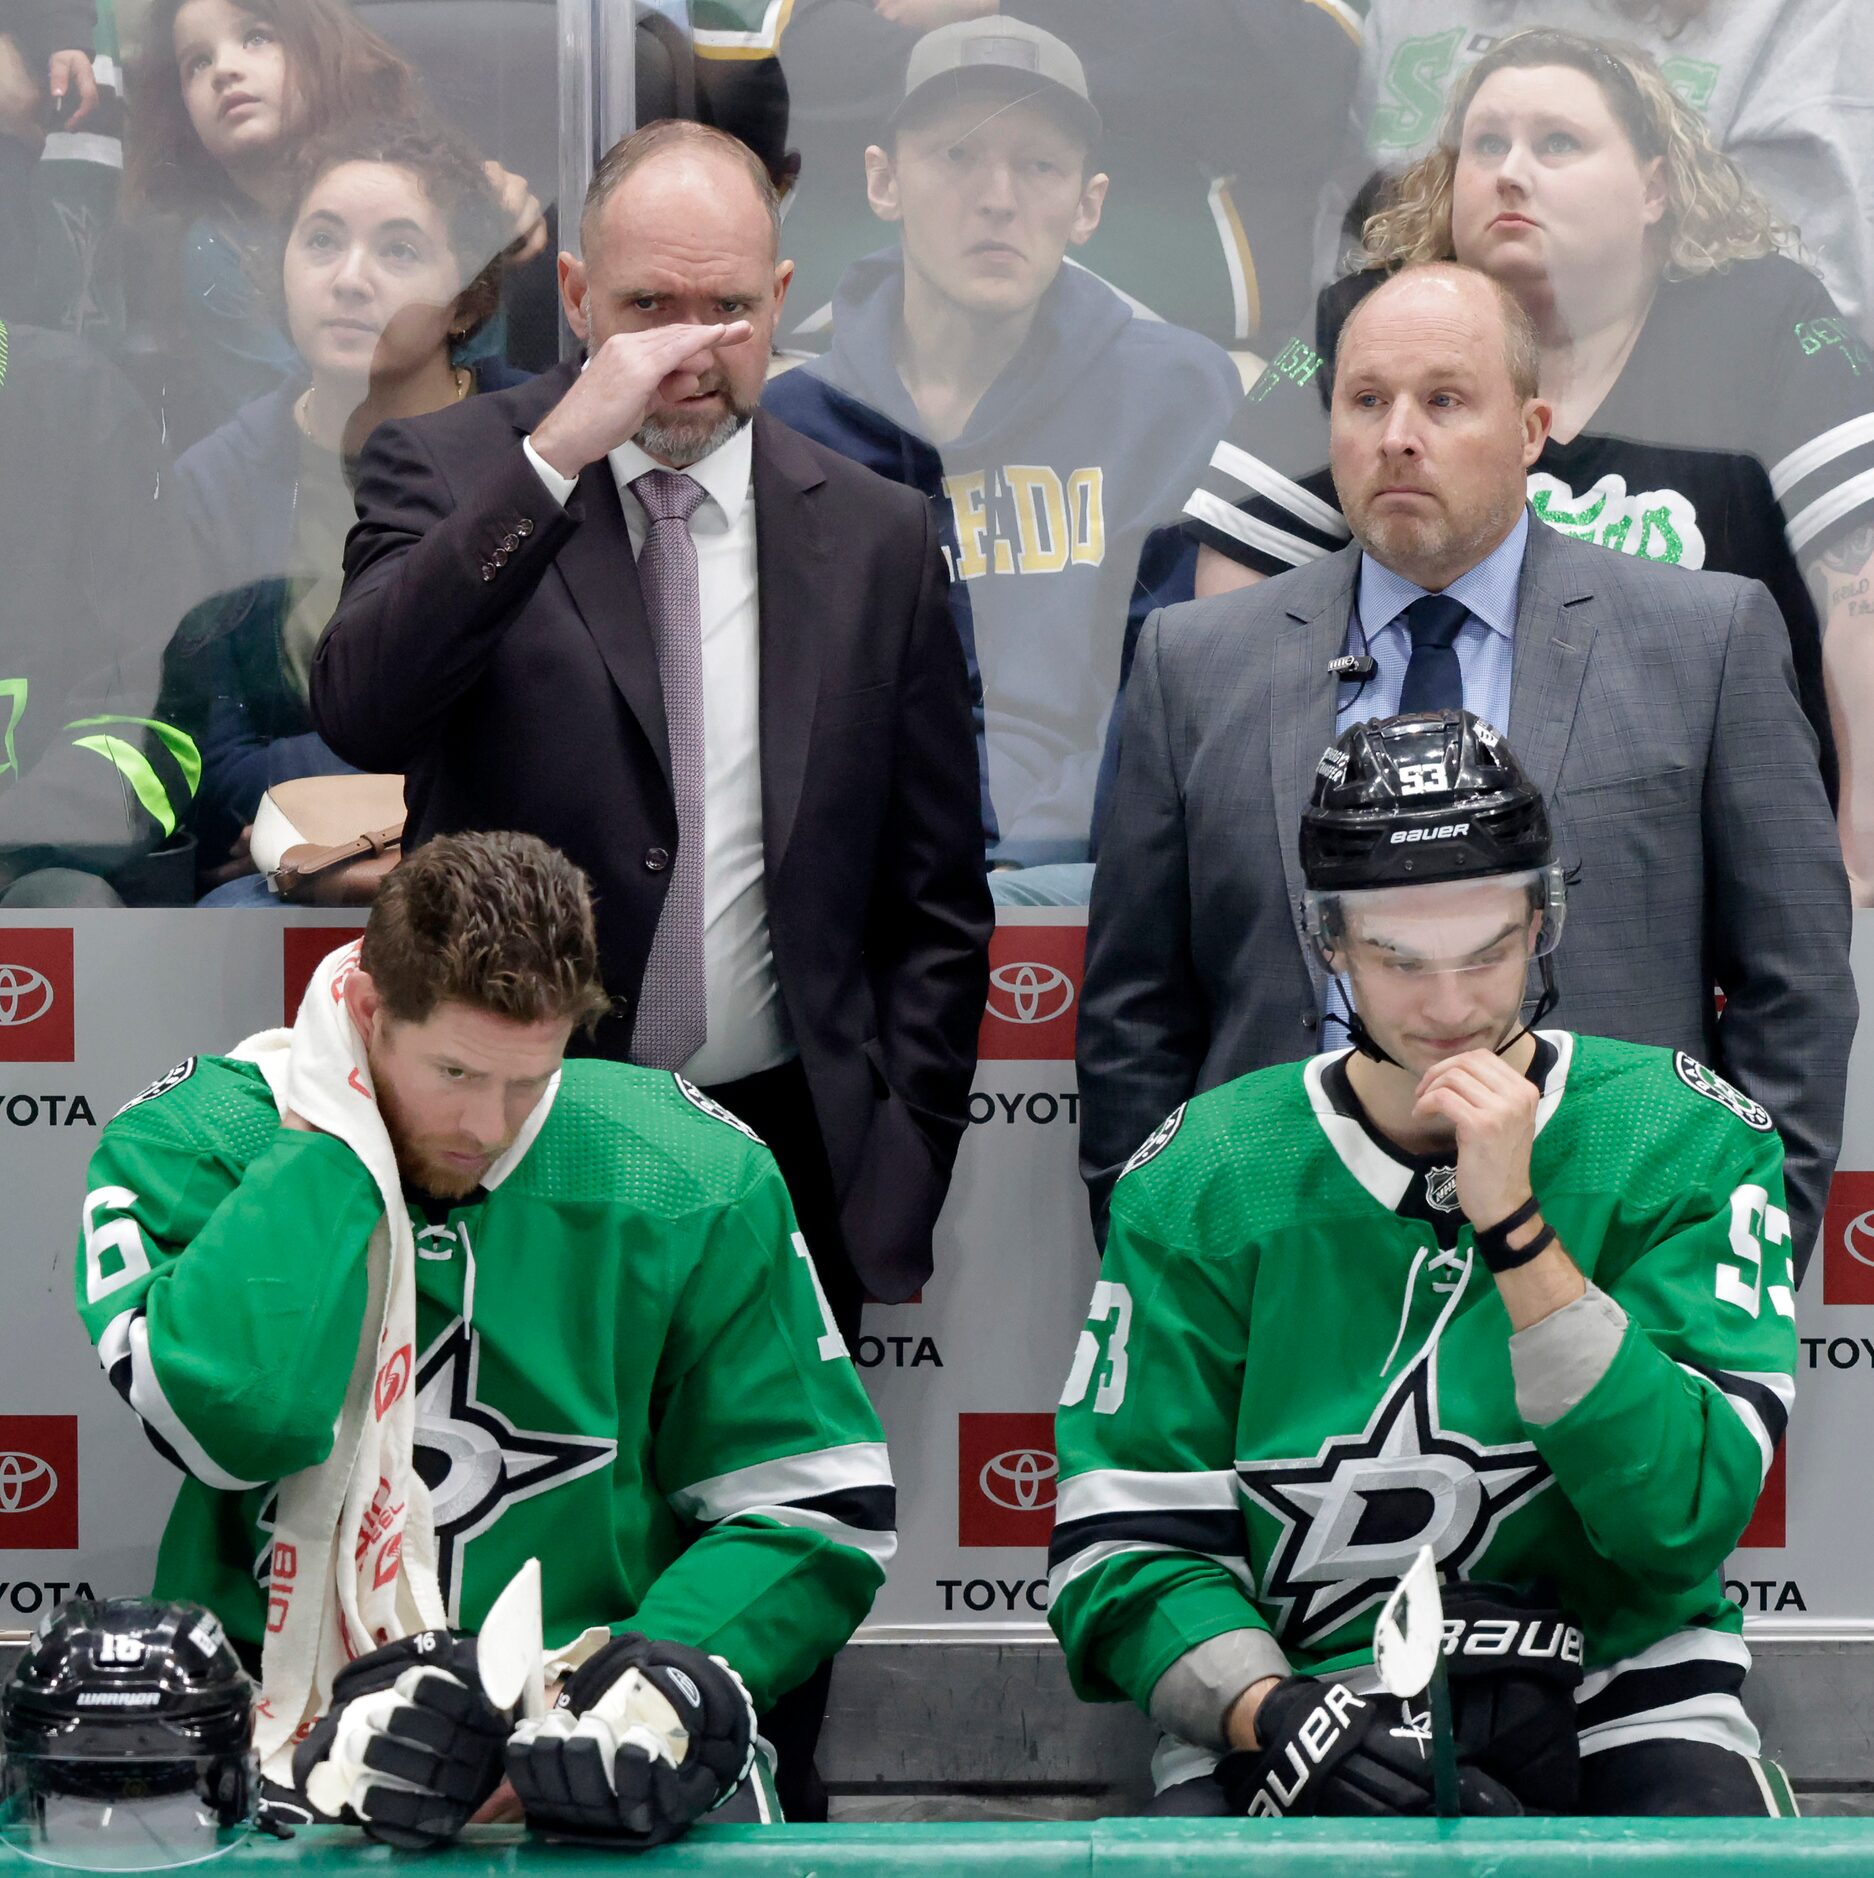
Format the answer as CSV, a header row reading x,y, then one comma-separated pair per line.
x,y
1656,710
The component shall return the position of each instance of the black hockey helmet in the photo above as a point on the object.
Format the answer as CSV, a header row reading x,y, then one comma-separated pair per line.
x,y
1433,795
128,1733
1424,799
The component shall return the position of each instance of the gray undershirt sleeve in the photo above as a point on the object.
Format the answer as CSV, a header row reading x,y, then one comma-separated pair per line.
x,y
1558,1361
1192,1697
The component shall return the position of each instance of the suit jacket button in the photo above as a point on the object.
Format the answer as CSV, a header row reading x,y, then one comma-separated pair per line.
x,y
656,860
511,543
1309,1020
499,557
488,570
523,526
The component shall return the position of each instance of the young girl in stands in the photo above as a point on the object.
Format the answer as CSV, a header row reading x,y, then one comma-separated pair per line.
x,y
223,98
392,262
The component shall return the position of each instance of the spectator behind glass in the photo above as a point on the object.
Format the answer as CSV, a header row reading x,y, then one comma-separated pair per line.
x,y
1711,405
1779,84
1220,119
222,100
392,261
1050,428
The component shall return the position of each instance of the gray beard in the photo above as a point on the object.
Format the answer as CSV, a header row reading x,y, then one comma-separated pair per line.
x,y
680,445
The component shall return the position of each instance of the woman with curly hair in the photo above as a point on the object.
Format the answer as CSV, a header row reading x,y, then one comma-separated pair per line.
x,y
392,261
1711,406
222,100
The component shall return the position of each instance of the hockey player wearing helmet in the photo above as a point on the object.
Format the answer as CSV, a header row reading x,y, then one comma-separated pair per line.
x,y
1516,1294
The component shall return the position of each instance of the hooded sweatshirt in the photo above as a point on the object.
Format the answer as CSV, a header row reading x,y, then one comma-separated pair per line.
x,y
1081,447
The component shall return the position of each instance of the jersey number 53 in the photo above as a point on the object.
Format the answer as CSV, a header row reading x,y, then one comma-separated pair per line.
x,y
1109,1320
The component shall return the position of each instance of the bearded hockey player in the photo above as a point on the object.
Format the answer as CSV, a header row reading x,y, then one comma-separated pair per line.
x,y
1521,1296
412,1301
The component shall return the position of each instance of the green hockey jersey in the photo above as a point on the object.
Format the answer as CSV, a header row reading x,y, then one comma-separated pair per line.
x,y
625,1365
1296,1372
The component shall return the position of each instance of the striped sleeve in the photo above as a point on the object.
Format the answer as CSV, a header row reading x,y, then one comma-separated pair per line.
x,y
1265,499
1820,453
846,1493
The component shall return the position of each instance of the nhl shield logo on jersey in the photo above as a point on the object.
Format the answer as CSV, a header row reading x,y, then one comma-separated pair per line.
x,y
161,1086
1354,1516
710,1106
1155,1143
1707,1082
1441,1189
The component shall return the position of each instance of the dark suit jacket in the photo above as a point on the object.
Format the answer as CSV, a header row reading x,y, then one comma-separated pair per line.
x,y
493,647
1656,710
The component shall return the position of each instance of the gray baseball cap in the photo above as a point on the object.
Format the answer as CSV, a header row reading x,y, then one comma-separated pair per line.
x,y
1009,57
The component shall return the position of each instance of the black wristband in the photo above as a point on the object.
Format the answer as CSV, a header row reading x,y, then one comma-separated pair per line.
x,y
1493,1242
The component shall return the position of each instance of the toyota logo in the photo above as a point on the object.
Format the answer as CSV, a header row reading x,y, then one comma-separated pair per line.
x,y
1022,1480
27,1483
1030,993
25,995
1858,1238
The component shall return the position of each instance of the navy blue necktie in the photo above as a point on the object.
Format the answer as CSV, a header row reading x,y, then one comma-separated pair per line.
x,y
1434,681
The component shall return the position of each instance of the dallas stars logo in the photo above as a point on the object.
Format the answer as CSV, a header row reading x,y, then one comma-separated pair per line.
x,y
474,1461
1354,1517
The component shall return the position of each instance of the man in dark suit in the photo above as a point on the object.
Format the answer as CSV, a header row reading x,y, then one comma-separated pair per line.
x,y
1654,707
713,663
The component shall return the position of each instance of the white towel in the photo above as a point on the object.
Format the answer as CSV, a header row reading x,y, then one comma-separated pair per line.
x,y
354,1539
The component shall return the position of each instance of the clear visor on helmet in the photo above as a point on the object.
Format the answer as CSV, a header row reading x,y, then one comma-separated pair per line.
x,y
114,1813
1442,926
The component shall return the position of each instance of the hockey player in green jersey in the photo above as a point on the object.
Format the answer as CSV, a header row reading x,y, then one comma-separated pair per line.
x,y
613,1357
1521,1296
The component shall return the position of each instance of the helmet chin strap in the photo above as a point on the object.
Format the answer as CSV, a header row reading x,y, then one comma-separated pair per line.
x,y
1368,1045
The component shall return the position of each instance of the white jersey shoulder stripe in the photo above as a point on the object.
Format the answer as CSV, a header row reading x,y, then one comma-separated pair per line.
x,y
1205,506
1253,473
789,1477
126,1338
1123,1490
1825,511
1809,457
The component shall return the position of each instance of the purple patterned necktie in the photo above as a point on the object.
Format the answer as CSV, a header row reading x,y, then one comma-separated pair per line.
x,y
673,1006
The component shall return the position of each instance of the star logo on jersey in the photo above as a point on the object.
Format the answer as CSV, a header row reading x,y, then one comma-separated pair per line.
x,y
1354,1516
474,1461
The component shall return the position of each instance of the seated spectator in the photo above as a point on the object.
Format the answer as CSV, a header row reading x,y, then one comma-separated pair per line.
x,y
45,78
222,101
391,265
95,788
1220,119
1779,85
1519,1297
1711,405
1048,426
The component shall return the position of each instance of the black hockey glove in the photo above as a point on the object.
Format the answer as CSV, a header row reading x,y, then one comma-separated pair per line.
x,y
1329,1753
413,1737
1514,1660
645,1739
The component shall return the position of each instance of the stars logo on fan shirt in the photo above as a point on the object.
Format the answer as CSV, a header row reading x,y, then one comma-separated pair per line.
x,y
474,1461
1354,1516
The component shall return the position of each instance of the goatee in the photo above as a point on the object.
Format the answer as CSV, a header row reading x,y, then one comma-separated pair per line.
x,y
680,444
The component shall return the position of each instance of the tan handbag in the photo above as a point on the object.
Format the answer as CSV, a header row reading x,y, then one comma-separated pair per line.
x,y
329,840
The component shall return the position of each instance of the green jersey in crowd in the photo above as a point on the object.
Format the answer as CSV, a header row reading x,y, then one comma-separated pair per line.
x,y
625,1367
1297,1372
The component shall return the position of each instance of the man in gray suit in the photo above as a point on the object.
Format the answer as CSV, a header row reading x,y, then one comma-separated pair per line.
x,y
1654,707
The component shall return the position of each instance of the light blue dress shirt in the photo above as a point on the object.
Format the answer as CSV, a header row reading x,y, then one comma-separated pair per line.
x,y
1483,645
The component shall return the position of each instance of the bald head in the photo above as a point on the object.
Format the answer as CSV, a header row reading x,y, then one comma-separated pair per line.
x,y
1432,283
679,229
708,160
1434,421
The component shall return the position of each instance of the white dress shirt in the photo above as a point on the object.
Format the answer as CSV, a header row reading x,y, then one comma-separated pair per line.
x,y
747,1025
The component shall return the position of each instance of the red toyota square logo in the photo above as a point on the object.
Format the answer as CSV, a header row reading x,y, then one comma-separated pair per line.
x,y
1770,1522
38,1483
306,948
1005,1479
1848,1241
37,1002
1034,993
